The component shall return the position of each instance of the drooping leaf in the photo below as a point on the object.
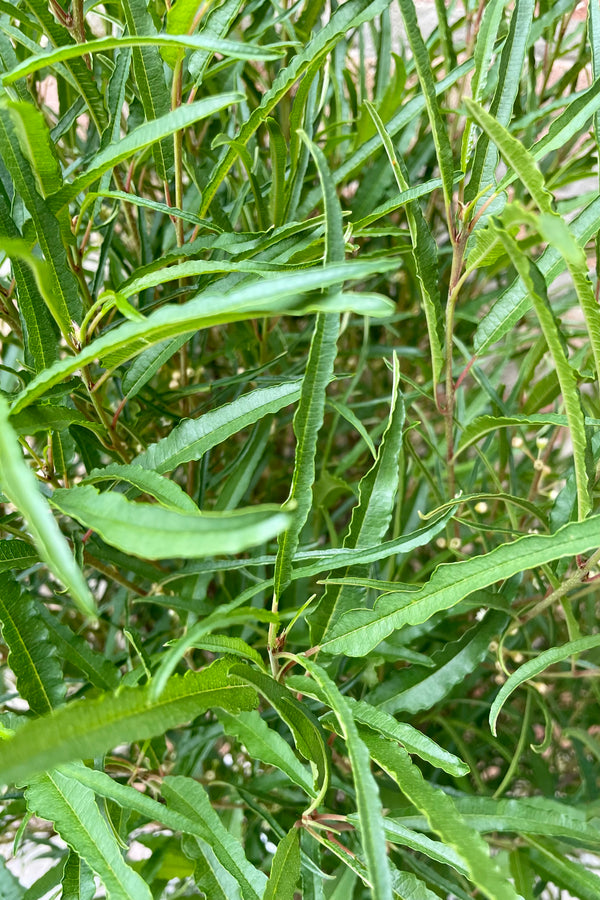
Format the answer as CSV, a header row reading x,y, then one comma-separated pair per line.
x,y
535,667
19,485
285,869
90,727
359,631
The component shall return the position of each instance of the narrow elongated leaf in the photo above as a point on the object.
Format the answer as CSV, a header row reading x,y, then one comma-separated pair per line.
x,y
72,809
50,418
423,250
232,49
192,438
168,493
568,874
148,363
186,796
10,887
438,128
18,483
371,516
442,816
30,655
535,667
267,745
368,802
415,742
86,728
141,137
284,294
215,25
153,532
509,74
515,302
309,415
307,732
483,425
359,631
397,833
534,281
285,869
487,34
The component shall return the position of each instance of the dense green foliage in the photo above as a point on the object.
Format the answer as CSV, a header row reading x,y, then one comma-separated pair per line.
x,y
298,449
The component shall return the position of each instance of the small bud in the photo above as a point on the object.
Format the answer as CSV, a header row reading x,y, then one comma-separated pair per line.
x,y
517,442
441,543
455,543
538,465
541,443
481,507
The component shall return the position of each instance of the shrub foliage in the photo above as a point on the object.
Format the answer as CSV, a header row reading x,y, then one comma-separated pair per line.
x,y
298,448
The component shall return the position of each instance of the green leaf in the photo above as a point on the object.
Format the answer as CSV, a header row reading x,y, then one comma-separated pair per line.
x,y
168,493
192,438
514,302
10,887
514,153
427,81
85,728
442,816
310,412
285,869
151,132
188,797
18,483
483,425
413,740
537,665
265,744
168,40
368,802
216,23
452,665
371,516
16,554
78,880
74,649
359,631
31,656
510,71
153,532
568,874
423,250
536,286
50,418
72,809
307,732
285,294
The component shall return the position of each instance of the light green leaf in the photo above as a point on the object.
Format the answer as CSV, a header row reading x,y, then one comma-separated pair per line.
x,y
168,493
285,868
187,797
87,728
371,516
143,136
72,809
267,745
536,286
573,876
168,40
74,649
438,126
442,816
192,438
359,631
78,879
285,294
537,665
18,483
153,532
368,802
